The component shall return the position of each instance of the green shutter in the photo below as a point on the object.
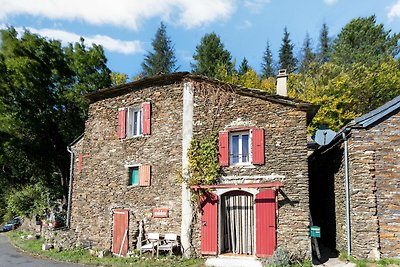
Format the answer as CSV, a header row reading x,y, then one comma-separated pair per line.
x,y
134,176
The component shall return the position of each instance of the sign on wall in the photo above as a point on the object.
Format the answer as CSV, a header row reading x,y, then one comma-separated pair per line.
x,y
160,213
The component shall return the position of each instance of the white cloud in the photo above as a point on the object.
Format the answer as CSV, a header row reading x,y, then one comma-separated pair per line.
x,y
110,44
255,5
122,13
394,10
330,2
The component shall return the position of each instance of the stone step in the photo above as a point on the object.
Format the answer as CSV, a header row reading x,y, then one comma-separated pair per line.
x,y
233,262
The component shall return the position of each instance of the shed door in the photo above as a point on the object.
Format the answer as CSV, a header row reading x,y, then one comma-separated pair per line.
x,y
120,232
209,224
265,223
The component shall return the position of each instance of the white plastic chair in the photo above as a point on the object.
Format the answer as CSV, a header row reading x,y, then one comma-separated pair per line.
x,y
170,241
152,242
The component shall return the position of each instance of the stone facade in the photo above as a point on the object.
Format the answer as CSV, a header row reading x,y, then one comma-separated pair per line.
x,y
374,177
102,183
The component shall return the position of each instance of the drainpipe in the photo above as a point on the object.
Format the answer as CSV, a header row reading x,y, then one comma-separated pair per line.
x,y
71,176
346,178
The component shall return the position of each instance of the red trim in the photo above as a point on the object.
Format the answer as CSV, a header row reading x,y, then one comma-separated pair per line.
x,y
252,185
258,146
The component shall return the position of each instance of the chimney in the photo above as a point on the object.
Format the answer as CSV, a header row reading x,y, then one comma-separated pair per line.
x,y
281,81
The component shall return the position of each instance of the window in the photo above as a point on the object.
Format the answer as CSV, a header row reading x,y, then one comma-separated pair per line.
x,y
139,175
133,175
239,151
241,147
134,122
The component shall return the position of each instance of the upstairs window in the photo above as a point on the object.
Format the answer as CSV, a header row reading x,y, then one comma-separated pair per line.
x,y
134,121
239,145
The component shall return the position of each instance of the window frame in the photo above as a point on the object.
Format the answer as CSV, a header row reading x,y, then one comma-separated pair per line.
x,y
240,133
130,124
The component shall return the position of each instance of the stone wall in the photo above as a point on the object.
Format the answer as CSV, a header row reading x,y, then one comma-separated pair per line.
x,y
103,183
380,146
374,175
285,154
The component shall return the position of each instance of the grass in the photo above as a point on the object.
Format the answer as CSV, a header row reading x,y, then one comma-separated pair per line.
x,y
369,263
83,256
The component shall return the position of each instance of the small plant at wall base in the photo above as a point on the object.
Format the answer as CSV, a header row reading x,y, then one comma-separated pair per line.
x,y
204,167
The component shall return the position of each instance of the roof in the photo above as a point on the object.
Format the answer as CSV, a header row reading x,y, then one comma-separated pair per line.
x,y
378,114
165,79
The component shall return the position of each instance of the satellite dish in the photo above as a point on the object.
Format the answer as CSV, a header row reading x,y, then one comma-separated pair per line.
x,y
324,136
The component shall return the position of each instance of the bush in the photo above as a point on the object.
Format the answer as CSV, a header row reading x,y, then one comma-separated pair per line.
x,y
27,201
280,258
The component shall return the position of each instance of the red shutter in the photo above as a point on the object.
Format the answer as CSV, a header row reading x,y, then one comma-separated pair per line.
x,y
258,146
144,175
146,120
121,123
209,226
265,223
120,232
80,161
223,148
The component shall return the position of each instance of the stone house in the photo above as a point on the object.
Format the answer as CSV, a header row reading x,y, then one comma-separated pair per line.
x,y
371,144
127,164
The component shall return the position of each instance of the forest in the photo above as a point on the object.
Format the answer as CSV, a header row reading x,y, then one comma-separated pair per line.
x,y
43,84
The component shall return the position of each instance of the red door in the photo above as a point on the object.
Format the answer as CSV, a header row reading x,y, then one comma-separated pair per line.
x,y
209,223
120,232
265,223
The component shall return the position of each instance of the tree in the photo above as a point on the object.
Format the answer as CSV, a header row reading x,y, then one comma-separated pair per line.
x,y
162,59
363,41
209,54
267,65
286,59
325,48
244,66
118,78
42,106
307,55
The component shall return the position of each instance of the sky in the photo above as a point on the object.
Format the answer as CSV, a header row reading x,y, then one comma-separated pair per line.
x,y
126,28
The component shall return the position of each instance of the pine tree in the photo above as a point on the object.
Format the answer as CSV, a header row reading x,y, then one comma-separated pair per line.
x,y
325,49
209,54
286,59
162,59
267,66
307,54
363,41
244,67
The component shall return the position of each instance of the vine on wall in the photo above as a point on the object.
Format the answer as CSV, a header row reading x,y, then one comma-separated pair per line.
x,y
203,161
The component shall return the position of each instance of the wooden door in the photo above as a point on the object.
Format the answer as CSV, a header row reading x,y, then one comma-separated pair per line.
x,y
265,223
209,224
120,232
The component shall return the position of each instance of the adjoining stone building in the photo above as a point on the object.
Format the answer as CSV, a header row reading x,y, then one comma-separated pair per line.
x,y
374,185
135,145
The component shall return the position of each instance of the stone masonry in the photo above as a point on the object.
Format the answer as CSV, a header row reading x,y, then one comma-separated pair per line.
x,y
102,184
374,176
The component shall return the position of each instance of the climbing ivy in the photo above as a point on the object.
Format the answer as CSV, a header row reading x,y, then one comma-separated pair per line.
x,y
203,161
